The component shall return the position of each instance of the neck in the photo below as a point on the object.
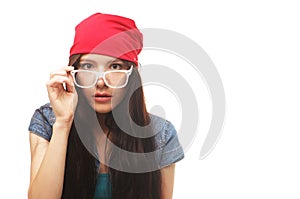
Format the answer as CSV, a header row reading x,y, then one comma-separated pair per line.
x,y
102,118
101,140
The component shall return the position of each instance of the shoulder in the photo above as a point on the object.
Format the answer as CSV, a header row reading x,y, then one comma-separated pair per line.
x,y
46,109
45,113
164,130
42,121
168,145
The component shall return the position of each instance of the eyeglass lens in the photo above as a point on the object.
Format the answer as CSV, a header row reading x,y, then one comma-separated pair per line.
x,y
88,78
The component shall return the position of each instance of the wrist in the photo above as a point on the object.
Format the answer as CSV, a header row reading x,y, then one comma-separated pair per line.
x,y
61,131
63,124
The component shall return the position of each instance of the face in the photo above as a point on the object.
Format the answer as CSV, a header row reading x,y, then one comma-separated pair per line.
x,y
101,96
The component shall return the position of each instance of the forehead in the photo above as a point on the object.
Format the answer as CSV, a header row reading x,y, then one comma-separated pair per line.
x,y
98,58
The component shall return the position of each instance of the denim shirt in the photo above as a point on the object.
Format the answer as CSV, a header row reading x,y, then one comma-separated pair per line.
x,y
165,136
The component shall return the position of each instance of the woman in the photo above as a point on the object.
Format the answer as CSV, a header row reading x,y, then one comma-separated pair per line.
x,y
95,139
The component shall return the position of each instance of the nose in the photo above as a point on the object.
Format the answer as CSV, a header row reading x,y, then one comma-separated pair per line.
x,y
100,83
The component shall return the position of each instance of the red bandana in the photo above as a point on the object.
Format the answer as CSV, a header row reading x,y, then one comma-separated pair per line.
x,y
110,35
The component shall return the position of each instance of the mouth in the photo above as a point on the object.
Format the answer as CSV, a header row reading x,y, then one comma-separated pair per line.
x,y
102,97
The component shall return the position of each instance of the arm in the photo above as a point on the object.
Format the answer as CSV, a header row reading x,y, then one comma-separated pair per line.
x,y
167,176
48,158
48,164
172,152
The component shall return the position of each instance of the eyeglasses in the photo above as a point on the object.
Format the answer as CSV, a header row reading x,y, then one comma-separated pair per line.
x,y
89,78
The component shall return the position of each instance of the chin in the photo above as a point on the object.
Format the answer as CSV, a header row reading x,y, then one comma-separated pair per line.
x,y
103,109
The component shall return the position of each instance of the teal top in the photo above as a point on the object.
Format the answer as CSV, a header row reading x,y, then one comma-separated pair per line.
x,y
103,188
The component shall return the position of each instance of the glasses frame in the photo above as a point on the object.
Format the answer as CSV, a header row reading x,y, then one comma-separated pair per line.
x,y
102,75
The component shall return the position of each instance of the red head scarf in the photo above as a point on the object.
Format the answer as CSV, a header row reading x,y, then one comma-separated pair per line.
x,y
110,35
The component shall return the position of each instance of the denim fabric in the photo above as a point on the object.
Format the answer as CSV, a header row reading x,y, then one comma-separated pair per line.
x,y
166,136
42,121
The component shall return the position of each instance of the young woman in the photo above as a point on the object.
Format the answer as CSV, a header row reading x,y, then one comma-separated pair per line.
x,y
95,139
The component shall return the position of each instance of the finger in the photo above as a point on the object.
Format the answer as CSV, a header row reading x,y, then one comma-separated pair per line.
x,y
70,76
69,68
70,86
58,73
58,81
62,72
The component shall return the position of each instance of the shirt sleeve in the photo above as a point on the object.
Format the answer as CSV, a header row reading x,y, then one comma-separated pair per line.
x,y
172,150
42,121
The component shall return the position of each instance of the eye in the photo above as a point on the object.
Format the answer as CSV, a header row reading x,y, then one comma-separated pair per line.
x,y
86,66
117,67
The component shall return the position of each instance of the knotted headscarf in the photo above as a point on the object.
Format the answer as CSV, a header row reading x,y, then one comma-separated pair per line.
x,y
110,35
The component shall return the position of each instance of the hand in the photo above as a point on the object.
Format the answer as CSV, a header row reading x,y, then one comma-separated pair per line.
x,y
63,101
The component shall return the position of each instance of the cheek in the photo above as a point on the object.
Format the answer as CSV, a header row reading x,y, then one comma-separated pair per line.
x,y
118,96
87,94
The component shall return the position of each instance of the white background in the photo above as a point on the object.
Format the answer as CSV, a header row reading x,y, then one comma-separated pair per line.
x,y
255,46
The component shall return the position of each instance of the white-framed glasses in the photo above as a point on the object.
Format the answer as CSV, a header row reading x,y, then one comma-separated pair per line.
x,y
113,79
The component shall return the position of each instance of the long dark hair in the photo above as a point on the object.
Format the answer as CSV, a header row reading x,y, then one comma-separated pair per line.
x,y
81,171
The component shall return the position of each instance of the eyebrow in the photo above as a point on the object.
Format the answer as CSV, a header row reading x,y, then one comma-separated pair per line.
x,y
86,60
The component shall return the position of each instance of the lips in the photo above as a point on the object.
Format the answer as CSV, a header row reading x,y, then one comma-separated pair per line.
x,y
102,97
